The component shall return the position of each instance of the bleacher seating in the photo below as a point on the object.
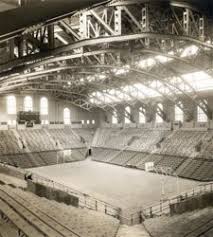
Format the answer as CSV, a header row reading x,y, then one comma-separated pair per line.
x,y
78,154
123,157
104,155
137,159
182,143
37,140
191,224
144,140
37,216
169,163
198,169
66,138
86,133
7,229
148,140
168,150
9,144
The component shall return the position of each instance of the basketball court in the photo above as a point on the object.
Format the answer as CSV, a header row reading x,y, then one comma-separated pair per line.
x,y
123,187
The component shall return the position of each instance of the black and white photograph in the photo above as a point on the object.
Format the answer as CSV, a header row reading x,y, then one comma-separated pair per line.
x,y
106,118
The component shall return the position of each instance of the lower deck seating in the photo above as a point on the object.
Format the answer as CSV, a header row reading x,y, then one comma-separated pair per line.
x,y
137,159
190,168
78,154
198,169
171,163
104,155
38,217
123,157
150,158
194,224
7,229
39,159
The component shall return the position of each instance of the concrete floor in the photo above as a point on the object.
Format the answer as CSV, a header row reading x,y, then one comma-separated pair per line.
x,y
122,187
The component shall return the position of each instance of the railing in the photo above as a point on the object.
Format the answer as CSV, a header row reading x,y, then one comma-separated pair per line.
x,y
163,207
125,216
13,171
85,200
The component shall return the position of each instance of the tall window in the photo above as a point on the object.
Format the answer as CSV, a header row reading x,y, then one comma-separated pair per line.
x,y
201,116
178,114
44,106
67,116
28,103
159,119
127,115
11,104
142,117
115,118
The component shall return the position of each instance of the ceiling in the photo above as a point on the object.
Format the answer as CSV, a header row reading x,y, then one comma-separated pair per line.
x,y
110,51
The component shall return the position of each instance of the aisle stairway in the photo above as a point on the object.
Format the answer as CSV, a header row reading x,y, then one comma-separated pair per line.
x,y
132,231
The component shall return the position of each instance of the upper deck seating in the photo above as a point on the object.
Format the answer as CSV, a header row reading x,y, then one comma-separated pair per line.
x,y
9,144
66,138
182,143
144,140
37,140
86,133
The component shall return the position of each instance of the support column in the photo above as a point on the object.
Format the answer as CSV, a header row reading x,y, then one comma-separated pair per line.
x,y
51,39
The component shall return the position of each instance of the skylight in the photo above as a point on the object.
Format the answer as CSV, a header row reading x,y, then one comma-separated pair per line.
x,y
198,81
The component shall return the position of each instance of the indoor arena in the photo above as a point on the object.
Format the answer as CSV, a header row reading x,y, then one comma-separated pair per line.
x,y
106,118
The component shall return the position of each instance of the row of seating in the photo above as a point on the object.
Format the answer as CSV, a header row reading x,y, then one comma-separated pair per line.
x,y
198,169
39,159
39,140
9,144
86,133
190,224
137,159
38,217
65,138
104,155
36,140
7,229
182,143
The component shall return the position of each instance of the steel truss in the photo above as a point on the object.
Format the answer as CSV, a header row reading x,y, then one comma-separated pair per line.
x,y
63,56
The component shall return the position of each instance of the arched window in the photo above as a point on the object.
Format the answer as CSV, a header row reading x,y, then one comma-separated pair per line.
x,y
178,114
44,106
201,116
142,117
115,117
158,118
127,115
28,103
67,116
11,104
